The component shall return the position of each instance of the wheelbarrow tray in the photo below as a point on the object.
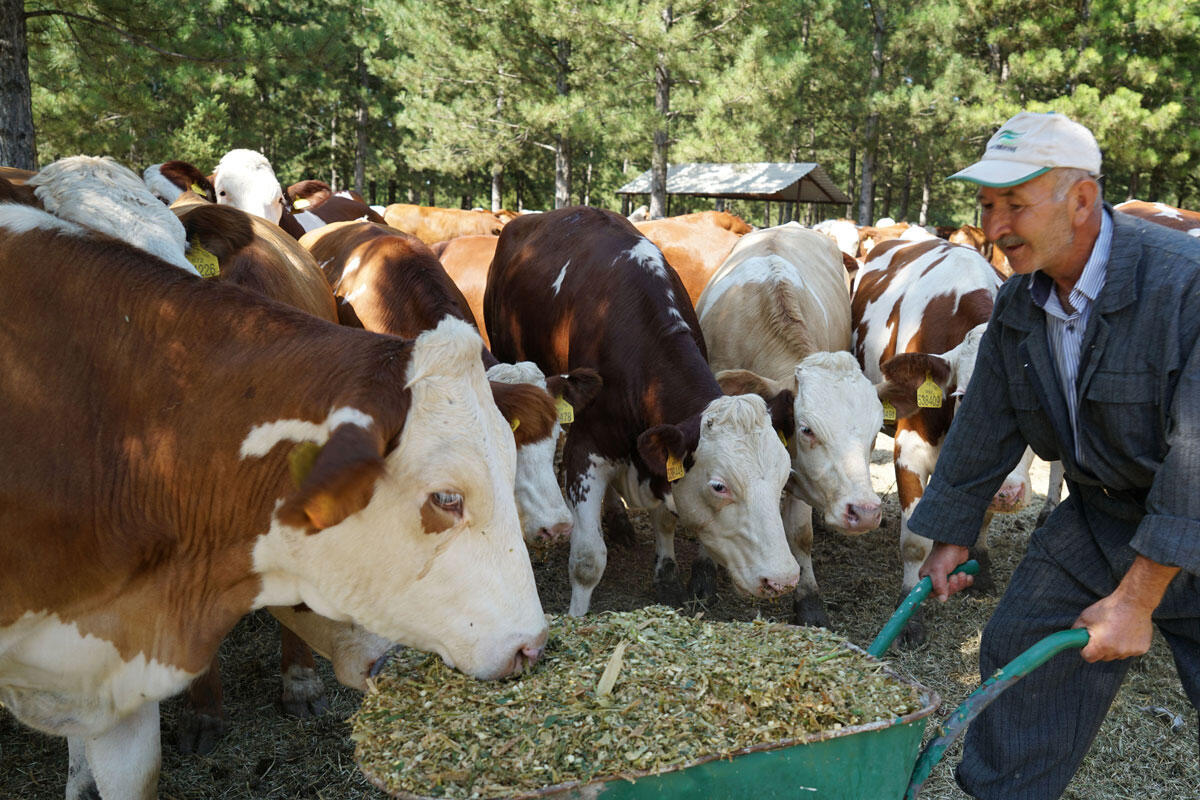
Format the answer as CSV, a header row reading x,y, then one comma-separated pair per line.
x,y
873,761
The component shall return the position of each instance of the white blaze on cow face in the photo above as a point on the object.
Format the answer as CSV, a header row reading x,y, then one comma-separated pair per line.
x,y
244,179
544,513
104,196
730,495
465,592
837,414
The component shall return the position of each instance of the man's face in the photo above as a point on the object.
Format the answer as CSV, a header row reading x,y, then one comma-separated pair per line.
x,y
1032,228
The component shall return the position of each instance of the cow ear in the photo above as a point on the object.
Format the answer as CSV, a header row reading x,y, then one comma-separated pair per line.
x,y
781,400
904,374
528,409
660,444
578,387
18,193
340,481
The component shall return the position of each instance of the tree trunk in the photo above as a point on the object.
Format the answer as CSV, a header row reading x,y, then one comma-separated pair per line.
x,y
866,196
1134,181
926,187
360,125
497,186
853,172
905,194
333,175
18,145
562,141
662,104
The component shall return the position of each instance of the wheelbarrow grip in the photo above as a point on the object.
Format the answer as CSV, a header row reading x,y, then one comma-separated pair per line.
x,y
981,698
900,618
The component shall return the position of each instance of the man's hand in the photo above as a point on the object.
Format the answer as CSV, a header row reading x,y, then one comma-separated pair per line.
x,y
943,559
1119,626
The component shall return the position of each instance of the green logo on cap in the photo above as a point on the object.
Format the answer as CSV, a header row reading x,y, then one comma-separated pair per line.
x,y
1007,136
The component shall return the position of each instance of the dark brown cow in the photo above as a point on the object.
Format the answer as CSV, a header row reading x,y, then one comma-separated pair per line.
x,y
581,287
918,312
308,194
394,284
170,179
1179,219
466,260
182,452
432,224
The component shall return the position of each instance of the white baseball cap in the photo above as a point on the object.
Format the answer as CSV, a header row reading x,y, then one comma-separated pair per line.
x,y
1030,144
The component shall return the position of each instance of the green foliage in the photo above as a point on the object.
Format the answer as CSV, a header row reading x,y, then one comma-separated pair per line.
x,y
451,88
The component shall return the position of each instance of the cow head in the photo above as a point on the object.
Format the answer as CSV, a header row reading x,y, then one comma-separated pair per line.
x,y
951,371
544,514
244,179
834,417
733,471
409,528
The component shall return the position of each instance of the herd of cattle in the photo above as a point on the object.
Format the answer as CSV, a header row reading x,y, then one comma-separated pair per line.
x,y
221,395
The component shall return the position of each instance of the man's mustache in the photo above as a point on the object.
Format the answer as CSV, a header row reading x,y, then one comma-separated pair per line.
x,y
1011,240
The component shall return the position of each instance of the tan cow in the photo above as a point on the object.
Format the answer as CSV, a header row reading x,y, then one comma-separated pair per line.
x,y
973,236
693,244
466,260
432,224
1179,219
776,319
161,482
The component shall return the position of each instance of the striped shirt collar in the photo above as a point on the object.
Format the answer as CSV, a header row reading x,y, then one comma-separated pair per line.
x,y
1091,280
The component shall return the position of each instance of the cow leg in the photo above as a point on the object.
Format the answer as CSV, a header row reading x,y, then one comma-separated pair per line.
x,y
1053,492
703,583
202,721
122,762
914,458
302,694
668,584
983,582
588,477
616,522
807,606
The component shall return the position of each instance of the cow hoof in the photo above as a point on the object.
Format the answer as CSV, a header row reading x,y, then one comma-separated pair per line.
x,y
303,693
198,734
983,584
703,585
618,529
810,611
668,588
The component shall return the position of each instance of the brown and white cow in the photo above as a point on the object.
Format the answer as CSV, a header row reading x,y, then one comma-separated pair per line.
x,y
694,245
170,179
776,318
1179,219
581,287
161,482
244,179
466,260
310,193
918,312
394,284
432,224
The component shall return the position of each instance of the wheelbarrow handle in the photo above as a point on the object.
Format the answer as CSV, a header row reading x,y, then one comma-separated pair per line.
x,y
900,618
981,698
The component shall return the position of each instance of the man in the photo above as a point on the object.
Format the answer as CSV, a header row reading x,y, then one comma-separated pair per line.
x,y
1092,356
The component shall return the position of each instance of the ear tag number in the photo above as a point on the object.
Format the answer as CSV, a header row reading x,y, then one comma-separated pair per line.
x,y
889,412
674,468
566,411
204,262
516,423
929,394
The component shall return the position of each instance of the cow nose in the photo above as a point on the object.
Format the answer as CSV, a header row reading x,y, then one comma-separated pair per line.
x,y
384,660
528,655
773,588
556,533
862,516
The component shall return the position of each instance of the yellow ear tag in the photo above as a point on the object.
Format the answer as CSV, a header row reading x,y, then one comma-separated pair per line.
x,y
674,468
301,460
198,189
516,423
889,412
204,262
929,394
782,438
302,203
566,411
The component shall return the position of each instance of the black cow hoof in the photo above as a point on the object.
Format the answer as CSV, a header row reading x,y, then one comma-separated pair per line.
x,y
668,587
983,583
198,734
303,693
810,611
703,585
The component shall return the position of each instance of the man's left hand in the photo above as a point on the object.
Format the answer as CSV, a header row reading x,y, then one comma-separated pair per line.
x,y
1116,630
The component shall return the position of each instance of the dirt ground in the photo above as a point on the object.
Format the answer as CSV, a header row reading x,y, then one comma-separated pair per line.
x,y
1147,748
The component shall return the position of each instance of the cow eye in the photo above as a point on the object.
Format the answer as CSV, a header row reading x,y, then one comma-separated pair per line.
x,y
448,501
718,487
807,431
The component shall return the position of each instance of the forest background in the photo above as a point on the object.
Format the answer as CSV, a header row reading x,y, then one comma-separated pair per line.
x,y
535,104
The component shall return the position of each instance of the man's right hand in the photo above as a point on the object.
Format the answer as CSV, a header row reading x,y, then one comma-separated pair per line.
x,y
942,560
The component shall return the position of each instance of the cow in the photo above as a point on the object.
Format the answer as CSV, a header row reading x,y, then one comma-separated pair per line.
x,y
15,175
1178,218
973,236
885,230
581,287
776,319
431,224
466,260
170,179
693,244
244,179
310,193
395,284
917,314
161,481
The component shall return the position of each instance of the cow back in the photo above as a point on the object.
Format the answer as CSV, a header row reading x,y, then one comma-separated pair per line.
x,y
431,224
1179,219
693,244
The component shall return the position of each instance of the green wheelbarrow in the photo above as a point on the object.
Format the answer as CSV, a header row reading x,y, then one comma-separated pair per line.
x,y
877,761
